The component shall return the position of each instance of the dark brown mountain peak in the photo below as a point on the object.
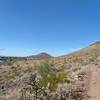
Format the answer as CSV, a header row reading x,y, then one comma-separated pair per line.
x,y
42,55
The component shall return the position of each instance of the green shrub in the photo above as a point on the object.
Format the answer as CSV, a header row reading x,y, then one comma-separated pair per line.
x,y
8,61
50,78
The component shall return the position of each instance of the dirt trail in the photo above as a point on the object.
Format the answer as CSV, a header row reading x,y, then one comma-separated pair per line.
x,y
94,87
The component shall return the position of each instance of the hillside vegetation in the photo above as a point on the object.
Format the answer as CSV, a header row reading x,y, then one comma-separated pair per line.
x,y
49,78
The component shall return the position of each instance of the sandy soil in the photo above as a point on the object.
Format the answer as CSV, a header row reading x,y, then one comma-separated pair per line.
x,y
94,86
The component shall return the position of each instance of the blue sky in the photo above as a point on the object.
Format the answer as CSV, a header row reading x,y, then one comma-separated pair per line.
x,y
58,27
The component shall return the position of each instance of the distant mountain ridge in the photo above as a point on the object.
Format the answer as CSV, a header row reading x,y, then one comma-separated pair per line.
x,y
40,56
33,57
94,47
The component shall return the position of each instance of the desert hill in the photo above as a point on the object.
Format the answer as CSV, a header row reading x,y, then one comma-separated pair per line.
x,y
40,56
73,74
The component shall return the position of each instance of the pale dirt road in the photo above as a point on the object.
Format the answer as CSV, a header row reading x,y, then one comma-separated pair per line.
x,y
94,84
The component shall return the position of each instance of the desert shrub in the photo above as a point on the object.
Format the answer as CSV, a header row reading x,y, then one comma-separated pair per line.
x,y
93,58
8,61
44,70
44,85
28,70
50,77
13,73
